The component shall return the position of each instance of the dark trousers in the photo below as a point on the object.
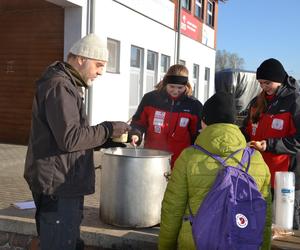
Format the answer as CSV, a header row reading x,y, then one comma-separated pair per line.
x,y
297,211
58,222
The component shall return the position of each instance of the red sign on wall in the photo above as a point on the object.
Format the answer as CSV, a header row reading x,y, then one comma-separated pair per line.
x,y
189,25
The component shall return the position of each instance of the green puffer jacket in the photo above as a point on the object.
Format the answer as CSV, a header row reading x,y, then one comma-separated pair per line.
x,y
193,176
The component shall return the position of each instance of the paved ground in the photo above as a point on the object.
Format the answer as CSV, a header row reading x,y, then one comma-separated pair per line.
x,y
13,188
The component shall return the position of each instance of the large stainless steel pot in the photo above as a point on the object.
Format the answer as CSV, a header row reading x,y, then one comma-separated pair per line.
x,y
133,182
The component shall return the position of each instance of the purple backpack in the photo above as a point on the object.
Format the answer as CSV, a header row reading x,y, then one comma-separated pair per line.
x,y
233,213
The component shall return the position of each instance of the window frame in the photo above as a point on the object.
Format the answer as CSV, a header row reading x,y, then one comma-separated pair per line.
x,y
154,56
186,4
199,5
113,65
196,77
139,62
210,14
182,62
166,65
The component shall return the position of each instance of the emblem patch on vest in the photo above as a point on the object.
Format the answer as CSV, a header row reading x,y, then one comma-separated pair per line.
x,y
277,124
241,220
183,122
159,117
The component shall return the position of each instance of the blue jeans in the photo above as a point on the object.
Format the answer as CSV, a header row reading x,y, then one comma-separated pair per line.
x,y
58,222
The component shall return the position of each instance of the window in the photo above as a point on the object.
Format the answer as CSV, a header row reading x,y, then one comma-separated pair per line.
x,y
113,64
199,9
151,60
135,59
207,74
206,83
182,62
186,4
210,14
136,78
152,70
164,63
195,79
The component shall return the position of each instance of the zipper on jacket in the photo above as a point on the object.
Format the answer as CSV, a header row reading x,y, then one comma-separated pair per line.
x,y
170,118
172,133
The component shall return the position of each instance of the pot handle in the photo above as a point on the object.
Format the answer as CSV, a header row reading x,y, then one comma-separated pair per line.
x,y
167,175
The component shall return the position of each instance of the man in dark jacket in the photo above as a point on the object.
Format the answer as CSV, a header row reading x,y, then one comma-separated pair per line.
x,y
59,167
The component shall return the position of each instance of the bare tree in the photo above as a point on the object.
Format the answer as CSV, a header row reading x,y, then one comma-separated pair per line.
x,y
221,59
226,59
235,62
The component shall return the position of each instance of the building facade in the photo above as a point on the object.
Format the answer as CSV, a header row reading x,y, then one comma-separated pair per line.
x,y
143,41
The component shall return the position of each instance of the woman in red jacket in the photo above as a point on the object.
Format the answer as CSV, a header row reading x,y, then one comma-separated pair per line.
x,y
168,116
273,122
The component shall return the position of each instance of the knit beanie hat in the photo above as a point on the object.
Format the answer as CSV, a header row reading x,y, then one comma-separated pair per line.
x,y
91,46
271,70
219,108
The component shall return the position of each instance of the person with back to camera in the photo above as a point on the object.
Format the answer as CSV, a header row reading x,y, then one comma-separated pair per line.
x,y
59,167
273,122
195,172
168,116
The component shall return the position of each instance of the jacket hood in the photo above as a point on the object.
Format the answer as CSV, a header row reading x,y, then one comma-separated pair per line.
x,y
221,138
289,87
55,68
291,82
62,69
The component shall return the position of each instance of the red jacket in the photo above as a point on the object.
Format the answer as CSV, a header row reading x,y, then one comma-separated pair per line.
x,y
279,126
168,124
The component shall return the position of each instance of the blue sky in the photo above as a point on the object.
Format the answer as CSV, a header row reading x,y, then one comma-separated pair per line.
x,y
259,29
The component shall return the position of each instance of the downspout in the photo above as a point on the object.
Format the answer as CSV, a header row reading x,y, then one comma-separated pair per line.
x,y
90,29
178,31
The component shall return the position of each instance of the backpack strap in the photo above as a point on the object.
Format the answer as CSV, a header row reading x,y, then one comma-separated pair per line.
x,y
248,152
217,157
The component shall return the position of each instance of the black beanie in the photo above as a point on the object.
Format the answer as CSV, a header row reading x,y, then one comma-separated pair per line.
x,y
219,108
271,70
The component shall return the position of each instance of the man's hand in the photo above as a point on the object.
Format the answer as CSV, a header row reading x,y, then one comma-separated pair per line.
x,y
119,128
134,140
259,145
